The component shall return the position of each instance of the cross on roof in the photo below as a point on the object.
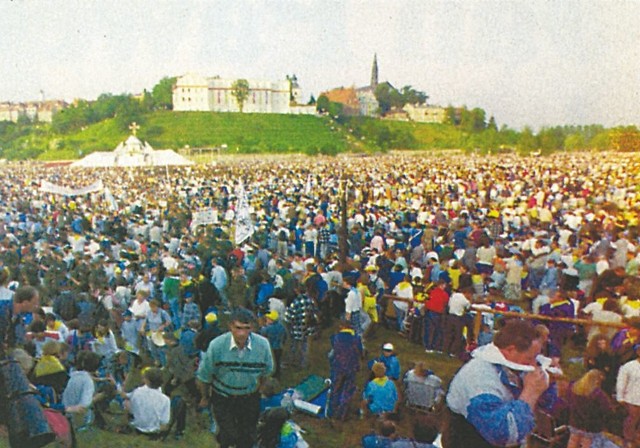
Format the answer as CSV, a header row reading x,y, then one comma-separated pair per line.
x,y
134,127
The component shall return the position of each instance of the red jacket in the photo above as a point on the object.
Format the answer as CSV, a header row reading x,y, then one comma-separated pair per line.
x,y
438,300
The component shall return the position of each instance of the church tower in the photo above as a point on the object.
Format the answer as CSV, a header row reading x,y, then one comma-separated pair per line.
x,y
374,72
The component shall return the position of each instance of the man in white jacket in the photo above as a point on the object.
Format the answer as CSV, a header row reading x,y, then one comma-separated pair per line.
x,y
628,393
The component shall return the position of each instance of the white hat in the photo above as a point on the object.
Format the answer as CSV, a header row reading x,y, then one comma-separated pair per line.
x,y
388,346
432,255
157,338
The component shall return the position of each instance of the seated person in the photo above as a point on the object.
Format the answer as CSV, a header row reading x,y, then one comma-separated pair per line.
x,y
390,360
151,409
422,388
49,371
424,435
380,395
78,396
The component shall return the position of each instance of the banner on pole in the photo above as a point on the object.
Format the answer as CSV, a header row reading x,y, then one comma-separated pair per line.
x,y
244,225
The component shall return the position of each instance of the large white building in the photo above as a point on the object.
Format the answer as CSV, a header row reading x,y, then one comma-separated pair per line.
x,y
196,93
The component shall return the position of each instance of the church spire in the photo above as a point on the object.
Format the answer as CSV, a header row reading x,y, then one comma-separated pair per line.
x,y
374,72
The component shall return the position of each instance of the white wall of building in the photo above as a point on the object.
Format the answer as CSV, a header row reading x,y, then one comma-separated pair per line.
x,y
196,93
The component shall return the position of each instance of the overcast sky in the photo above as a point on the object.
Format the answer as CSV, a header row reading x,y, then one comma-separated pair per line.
x,y
526,62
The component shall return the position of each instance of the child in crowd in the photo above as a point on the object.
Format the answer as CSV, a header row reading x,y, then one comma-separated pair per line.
x,y
276,333
380,395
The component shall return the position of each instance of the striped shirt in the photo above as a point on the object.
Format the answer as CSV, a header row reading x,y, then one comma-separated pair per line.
x,y
232,371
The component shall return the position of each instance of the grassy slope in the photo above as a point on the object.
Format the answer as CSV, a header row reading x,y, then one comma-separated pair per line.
x,y
245,132
257,133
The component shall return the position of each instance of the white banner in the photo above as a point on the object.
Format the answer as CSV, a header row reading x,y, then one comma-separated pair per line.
x,y
244,226
49,187
204,217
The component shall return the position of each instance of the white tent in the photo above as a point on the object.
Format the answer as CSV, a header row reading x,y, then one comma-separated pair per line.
x,y
132,153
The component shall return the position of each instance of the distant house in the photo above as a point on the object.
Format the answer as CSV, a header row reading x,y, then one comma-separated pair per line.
x,y
196,93
358,101
33,110
348,97
425,114
396,115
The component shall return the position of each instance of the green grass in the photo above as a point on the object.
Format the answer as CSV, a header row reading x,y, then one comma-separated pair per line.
x,y
242,133
245,133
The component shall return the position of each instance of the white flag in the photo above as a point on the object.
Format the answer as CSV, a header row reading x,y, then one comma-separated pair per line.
x,y
244,226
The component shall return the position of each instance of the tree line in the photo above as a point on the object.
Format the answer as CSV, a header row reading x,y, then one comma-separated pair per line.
x,y
125,108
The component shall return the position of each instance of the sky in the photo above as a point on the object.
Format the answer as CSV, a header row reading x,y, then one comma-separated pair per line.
x,y
526,62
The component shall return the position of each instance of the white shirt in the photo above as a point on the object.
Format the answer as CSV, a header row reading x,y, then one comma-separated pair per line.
x,y
458,304
627,389
170,263
150,408
139,309
353,302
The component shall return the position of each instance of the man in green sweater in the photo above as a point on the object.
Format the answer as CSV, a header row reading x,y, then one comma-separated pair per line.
x,y
230,374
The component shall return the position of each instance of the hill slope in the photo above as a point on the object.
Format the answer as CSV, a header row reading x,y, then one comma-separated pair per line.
x,y
246,133
242,133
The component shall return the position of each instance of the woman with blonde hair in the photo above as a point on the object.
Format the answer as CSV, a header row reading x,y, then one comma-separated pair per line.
x,y
589,409
49,371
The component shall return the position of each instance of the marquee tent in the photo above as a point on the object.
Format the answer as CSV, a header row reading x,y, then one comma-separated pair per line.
x,y
132,153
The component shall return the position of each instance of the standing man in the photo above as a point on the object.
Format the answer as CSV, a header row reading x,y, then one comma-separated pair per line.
x,y
26,411
344,360
455,321
219,279
435,309
230,374
12,329
628,394
492,398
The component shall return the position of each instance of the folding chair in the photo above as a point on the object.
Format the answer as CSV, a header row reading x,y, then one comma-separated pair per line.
x,y
423,396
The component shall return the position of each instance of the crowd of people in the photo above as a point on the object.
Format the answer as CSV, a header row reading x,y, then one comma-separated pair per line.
x,y
115,296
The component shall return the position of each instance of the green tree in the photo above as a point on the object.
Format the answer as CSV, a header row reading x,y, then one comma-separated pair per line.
x,y
129,110
528,142
413,96
452,117
322,105
551,139
473,120
388,97
240,91
162,94
574,142
600,141
335,109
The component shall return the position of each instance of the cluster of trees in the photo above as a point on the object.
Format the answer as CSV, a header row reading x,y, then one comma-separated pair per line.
x,y
125,108
390,98
474,120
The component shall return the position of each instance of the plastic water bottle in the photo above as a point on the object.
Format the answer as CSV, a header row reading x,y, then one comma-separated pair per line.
x,y
287,400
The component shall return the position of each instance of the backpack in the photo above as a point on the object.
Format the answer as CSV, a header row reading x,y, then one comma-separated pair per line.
x,y
282,235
